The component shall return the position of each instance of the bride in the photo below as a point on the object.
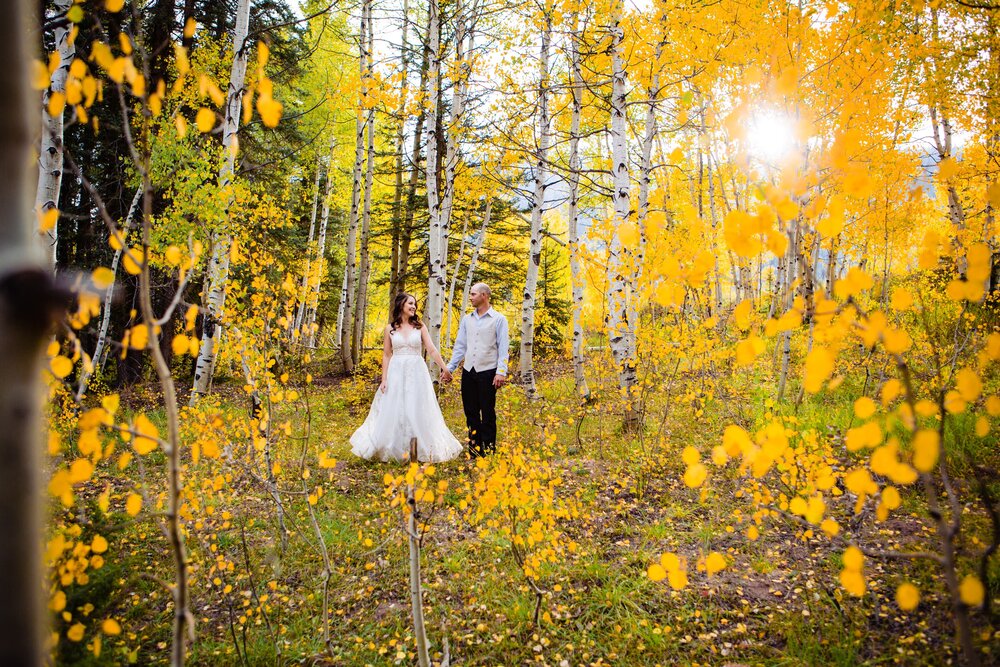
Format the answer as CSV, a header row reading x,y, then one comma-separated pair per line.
x,y
405,406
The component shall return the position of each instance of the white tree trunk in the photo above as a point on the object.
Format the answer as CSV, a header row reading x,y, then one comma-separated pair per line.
x,y
474,260
25,297
350,264
454,279
397,201
621,332
436,278
538,205
366,214
576,274
222,241
340,308
50,157
304,295
321,251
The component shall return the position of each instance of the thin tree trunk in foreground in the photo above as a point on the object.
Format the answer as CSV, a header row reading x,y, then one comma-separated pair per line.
x,y
24,325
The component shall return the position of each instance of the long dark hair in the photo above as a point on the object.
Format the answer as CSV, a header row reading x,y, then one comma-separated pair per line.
x,y
397,312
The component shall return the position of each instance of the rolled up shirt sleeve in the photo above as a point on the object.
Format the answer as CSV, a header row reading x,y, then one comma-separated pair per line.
x,y
503,346
458,352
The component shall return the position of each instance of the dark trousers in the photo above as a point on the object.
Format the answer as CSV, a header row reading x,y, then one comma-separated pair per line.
x,y
479,399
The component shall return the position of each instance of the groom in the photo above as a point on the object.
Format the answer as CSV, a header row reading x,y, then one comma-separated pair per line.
x,y
483,341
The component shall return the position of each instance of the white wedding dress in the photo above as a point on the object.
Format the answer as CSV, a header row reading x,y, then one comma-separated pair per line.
x,y
407,409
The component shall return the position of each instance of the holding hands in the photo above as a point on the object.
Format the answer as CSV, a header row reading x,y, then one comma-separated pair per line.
x,y
446,376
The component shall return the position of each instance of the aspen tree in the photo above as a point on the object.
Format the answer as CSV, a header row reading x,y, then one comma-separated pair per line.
x,y
25,293
217,278
540,173
50,157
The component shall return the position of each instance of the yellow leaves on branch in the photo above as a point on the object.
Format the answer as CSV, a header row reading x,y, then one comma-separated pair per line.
x,y
146,435
926,449
971,591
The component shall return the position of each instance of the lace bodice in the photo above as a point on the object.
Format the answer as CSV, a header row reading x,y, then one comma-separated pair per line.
x,y
408,342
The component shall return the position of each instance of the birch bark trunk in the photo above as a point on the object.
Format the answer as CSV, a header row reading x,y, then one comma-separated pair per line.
x,y
50,157
435,248
397,200
473,261
621,335
24,328
346,347
538,204
221,241
364,267
320,270
304,298
454,279
576,274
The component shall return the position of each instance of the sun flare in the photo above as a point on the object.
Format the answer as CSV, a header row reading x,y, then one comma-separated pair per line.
x,y
770,135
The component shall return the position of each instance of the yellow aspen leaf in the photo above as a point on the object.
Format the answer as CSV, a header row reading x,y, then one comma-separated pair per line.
x,y
993,406
891,498
75,632
146,434
798,506
670,561
104,500
656,572
715,562
58,601
189,27
132,260
907,596
947,168
753,533
855,282
139,86
971,590
859,482
896,341
133,504
993,194
830,527
205,120
926,449
954,403
180,123
853,559
111,627
138,337
818,368
57,104
815,509
263,52
180,344
114,5
695,475
891,391
969,386
719,455
864,407
749,349
173,255
741,314
80,471
40,75
61,366
103,277
690,455
982,427
628,234
269,110
787,210
677,579
99,545
47,220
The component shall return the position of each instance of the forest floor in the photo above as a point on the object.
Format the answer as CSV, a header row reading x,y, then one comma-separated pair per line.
x,y
777,603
